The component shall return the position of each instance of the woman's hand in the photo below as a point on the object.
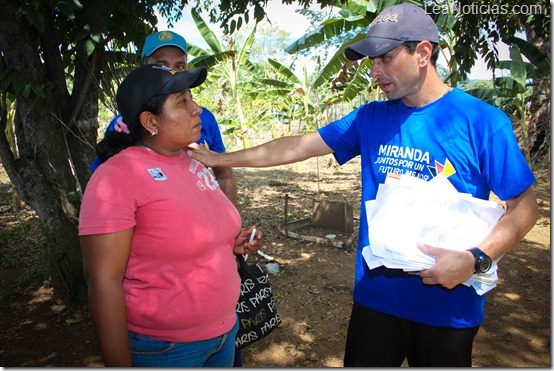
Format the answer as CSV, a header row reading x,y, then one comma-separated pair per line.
x,y
243,245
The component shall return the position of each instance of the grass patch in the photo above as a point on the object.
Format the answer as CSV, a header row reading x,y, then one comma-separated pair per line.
x,y
6,294
23,251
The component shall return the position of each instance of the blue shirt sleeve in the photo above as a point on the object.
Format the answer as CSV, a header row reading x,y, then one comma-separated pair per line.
x,y
507,171
97,162
210,134
342,137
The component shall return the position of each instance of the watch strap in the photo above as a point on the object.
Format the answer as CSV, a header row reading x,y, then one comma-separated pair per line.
x,y
479,256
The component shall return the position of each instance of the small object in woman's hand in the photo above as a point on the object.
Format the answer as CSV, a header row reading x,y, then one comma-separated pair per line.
x,y
252,235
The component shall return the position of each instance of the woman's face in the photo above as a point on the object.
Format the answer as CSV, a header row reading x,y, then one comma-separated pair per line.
x,y
179,124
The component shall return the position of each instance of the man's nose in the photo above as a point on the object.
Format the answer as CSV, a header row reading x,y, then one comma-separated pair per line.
x,y
376,69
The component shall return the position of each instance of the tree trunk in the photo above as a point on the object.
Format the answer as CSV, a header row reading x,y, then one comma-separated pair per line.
x,y
83,120
42,173
539,117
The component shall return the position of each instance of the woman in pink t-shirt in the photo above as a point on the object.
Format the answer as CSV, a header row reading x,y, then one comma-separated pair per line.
x,y
158,234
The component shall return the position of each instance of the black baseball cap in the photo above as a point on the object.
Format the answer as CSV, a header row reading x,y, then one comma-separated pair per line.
x,y
149,80
393,27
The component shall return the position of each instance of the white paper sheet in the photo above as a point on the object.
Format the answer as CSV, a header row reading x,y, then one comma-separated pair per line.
x,y
409,210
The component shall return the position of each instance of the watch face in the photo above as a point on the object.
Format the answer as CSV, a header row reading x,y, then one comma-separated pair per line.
x,y
482,261
485,265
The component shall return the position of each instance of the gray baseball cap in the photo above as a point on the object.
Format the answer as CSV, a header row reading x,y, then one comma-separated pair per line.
x,y
393,27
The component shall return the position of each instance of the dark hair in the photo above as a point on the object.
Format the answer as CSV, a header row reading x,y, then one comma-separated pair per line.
x,y
114,141
412,45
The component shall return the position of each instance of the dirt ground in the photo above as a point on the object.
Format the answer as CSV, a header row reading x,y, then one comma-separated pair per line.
x,y
313,288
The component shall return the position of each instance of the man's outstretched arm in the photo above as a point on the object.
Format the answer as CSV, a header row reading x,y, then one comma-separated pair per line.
x,y
280,151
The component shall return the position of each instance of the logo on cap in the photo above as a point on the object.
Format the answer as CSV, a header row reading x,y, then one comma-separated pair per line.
x,y
380,47
383,18
164,36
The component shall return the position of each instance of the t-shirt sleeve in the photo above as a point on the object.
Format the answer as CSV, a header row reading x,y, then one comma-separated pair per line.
x,y
211,128
97,162
507,170
109,202
342,136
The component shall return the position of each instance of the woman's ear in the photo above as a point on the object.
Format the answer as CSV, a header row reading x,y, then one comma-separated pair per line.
x,y
148,122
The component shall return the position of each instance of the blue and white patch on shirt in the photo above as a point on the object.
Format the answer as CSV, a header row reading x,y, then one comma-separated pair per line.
x,y
157,174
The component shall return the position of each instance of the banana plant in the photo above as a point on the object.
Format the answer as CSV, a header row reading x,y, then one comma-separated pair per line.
x,y
356,16
227,66
216,52
513,93
303,90
350,27
349,79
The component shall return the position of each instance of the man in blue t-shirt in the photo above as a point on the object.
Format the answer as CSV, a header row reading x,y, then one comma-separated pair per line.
x,y
170,49
424,128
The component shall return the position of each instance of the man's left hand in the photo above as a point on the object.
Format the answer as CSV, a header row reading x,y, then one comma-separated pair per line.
x,y
451,267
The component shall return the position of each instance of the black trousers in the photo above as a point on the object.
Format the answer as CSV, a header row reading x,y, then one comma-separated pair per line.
x,y
379,340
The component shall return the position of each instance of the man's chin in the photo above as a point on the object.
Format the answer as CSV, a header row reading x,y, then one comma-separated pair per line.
x,y
390,95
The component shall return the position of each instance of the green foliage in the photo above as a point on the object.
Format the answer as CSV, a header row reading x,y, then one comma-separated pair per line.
x,y
30,11
332,28
442,71
476,84
539,62
17,234
231,67
19,84
513,92
270,42
479,33
465,35
234,14
6,294
207,34
33,274
360,81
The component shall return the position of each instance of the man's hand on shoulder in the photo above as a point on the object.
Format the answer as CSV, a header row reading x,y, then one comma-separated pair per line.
x,y
202,154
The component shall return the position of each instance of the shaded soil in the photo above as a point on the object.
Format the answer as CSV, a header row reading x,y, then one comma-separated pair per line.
x,y
313,288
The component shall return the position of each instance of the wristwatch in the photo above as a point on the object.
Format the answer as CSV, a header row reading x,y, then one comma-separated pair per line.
x,y
483,262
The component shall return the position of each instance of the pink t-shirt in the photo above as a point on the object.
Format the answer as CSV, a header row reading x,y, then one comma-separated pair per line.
x,y
181,283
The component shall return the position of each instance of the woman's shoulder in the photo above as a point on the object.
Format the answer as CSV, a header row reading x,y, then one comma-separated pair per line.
x,y
125,160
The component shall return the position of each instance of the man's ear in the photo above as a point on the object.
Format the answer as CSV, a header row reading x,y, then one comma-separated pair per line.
x,y
424,51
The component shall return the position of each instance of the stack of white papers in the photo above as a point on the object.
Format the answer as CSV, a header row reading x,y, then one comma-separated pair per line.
x,y
408,210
